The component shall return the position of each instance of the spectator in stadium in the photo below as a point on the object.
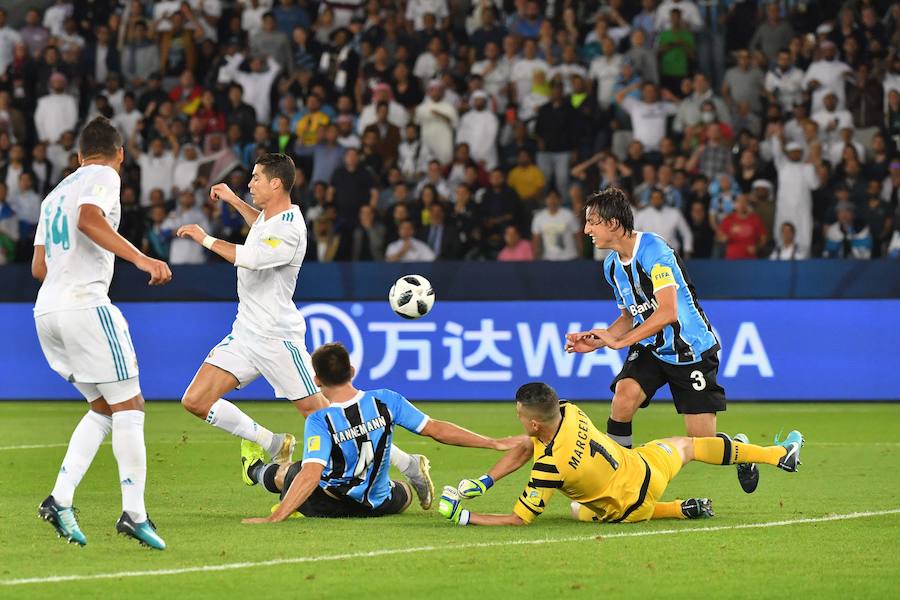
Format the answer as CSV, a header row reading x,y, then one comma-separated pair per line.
x,y
326,239
478,128
514,247
437,119
26,204
158,164
270,41
11,171
667,222
140,54
784,82
407,248
556,133
555,231
527,180
351,187
712,157
702,233
388,134
238,112
648,115
742,231
796,182
676,47
256,84
773,35
368,237
845,238
787,249
440,234
184,251
56,112
743,83
826,75
9,228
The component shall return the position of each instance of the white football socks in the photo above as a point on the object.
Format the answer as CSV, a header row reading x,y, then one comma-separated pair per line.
x,y
83,446
130,453
403,461
230,418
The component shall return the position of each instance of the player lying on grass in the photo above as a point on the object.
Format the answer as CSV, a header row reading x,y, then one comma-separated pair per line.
x,y
605,481
347,446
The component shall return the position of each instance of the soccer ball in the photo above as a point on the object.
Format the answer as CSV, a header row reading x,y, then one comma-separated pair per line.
x,y
411,297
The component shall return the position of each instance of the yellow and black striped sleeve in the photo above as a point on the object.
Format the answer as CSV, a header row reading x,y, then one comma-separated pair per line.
x,y
544,480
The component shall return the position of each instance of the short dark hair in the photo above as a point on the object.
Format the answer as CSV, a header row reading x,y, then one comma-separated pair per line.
x,y
331,363
278,166
100,138
540,399
612,205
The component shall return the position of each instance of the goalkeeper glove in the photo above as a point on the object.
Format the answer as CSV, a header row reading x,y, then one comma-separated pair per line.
x,y
450,506
472,488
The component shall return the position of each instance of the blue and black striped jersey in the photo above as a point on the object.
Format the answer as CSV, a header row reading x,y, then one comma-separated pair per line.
x,y
653,267
353,441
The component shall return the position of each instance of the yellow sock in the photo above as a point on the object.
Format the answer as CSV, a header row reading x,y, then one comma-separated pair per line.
x,y
722,451
668,510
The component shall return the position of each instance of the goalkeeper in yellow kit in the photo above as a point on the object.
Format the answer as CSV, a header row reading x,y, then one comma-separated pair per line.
x,y
605,481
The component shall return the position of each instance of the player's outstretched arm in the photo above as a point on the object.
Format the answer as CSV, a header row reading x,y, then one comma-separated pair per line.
x,y
454,435
93,224
226,250
222,192
301,488
514,459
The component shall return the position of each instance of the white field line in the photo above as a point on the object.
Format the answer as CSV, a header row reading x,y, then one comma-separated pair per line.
x,y
419,549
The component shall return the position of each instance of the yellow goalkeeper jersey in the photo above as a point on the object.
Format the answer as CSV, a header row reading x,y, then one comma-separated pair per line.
x,y
588,467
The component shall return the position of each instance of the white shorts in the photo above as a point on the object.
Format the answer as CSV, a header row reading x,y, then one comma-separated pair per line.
x,y
285,364
91,347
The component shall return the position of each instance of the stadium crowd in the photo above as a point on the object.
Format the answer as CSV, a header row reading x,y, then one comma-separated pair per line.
x,y
470,129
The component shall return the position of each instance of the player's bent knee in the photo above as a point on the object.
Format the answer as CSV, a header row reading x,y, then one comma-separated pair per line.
x,y
684,446
628,398
197,402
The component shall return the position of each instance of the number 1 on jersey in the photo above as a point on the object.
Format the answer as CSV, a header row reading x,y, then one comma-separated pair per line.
x,y
596,448
366,457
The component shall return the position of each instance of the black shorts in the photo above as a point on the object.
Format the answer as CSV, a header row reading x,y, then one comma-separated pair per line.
x,y
694,387
323,504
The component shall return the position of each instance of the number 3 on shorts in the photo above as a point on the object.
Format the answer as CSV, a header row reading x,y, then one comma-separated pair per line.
x,y
699,381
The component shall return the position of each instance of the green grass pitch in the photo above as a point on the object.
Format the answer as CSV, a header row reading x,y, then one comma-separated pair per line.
x,y
197,500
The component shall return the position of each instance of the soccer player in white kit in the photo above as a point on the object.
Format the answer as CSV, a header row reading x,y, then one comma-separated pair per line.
x,y
85,338
268,335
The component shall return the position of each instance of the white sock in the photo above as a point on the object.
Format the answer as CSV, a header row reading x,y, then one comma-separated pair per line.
x,y
403,461
83,446
230,418
130,453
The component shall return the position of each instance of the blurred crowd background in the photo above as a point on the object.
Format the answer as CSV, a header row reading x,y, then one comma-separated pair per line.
x,y
469,129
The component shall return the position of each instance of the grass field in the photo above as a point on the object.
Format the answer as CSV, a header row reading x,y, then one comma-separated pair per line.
x,y
799,535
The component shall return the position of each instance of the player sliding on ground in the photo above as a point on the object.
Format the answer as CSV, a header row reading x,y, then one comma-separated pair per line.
x,y
605,481
267,337
347,447
85,338
669,338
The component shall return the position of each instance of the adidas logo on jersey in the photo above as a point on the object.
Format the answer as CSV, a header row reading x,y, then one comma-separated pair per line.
x,y
636,309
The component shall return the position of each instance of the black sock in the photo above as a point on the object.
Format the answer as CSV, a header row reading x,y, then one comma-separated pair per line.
x,y
619,432
264,475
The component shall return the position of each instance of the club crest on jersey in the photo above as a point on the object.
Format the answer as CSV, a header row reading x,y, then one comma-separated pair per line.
x,y
637,309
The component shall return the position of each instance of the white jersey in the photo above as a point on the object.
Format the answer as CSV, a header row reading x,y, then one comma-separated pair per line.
x,y
78,270
267,267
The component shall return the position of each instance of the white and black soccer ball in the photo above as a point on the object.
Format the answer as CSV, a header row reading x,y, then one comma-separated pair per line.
x,y
411,297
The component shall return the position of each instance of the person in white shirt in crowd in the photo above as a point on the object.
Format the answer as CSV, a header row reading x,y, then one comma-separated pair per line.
x,y
257,83
9,37
788,249
184,251
413,156
690,109
690,14
648,115
407,248
417,9
426,65
831,119
494,72
523,69
56,15
478,128
555,231
157,165
784,82
252,12
605,70
60,152
14,167
127,120
70,40
397,115
56,112
437,119
827,74
569,67
185,173
667,222
796,182
835,149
